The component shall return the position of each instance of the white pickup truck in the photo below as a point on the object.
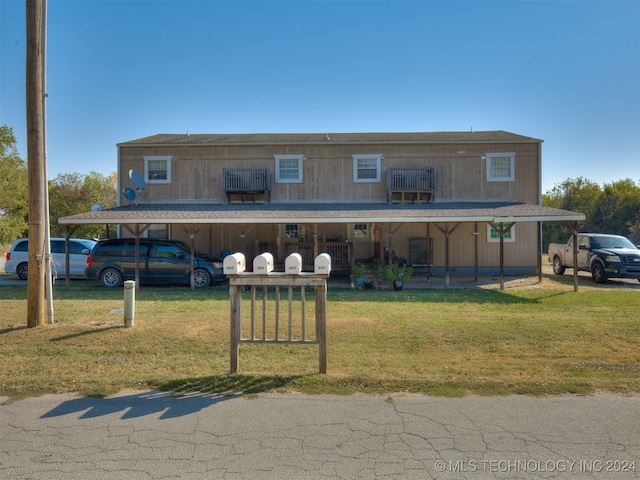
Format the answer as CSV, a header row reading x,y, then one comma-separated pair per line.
x,y
605,256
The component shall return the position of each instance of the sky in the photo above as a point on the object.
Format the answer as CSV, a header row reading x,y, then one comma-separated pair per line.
x,y
566,72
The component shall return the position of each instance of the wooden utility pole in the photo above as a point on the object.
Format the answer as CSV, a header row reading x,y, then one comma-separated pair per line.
x,y
35,162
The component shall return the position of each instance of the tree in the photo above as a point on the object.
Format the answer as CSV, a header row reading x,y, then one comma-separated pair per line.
x,y
14,202
619,208
614,208
72,193
578,195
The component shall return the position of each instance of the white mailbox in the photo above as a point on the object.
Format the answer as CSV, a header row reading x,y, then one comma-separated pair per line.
x,y
322,264
263,263
293,264
234,264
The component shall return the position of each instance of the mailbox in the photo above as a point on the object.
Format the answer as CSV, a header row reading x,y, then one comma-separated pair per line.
x,y
293,264
322,264
263,263
234,264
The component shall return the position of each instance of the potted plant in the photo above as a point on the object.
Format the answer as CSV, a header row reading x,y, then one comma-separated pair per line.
x,y
357,279
377,268
397,275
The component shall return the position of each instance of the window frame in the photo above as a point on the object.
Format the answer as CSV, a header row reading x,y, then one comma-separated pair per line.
x,y
377,157
157,158
512,166
289,157
509,237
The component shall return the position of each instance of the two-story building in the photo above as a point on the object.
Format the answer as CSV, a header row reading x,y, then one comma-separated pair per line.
x,y
461,201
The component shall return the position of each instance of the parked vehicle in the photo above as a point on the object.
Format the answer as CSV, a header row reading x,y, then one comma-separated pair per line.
x,y
160,261
17,258
605,256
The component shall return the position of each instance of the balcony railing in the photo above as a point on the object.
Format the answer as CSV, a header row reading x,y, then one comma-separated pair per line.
x,y
247,183
416,182
341,254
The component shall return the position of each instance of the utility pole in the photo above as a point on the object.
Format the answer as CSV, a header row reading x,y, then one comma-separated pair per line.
x,y
35,163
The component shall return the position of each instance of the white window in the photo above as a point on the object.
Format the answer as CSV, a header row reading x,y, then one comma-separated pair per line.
x,y
501,167
157,169
493,235
158,231
289,168
366,168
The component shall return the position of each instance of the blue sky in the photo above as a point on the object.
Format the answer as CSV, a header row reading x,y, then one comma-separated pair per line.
x,y
567,72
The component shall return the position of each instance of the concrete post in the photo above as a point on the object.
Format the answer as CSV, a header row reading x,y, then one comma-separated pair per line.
x,y
129,303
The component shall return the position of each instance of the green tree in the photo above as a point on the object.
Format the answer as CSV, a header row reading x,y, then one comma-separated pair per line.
x,y
619,209
14,200
72,193
577,195
614,208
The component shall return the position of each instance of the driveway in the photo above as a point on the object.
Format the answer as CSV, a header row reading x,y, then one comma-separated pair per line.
x,y
150,435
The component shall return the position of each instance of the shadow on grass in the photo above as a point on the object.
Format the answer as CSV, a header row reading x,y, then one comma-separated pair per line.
x,y
229,385
85,332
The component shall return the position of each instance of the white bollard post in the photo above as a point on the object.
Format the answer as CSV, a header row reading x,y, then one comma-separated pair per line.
x,y
129,303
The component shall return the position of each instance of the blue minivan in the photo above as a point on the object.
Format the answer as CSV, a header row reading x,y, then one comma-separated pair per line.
x,y
160,261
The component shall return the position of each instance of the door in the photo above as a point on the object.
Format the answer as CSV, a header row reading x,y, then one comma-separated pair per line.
x,y
583,253
362,242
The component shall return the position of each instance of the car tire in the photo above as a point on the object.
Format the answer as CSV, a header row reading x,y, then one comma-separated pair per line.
x,y
110,277
597,273
558,268
23,271
201,278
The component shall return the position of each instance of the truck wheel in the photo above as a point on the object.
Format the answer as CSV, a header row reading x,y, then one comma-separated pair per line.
x,y
597,273
111,277
558,268
201,278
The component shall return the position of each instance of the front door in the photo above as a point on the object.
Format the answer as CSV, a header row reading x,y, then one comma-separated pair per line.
x,y
362,242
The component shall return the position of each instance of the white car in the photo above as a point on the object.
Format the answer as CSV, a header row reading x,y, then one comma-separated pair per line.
x,y
17,257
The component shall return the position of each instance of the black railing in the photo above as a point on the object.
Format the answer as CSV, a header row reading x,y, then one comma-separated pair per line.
x,y
247,182
418,180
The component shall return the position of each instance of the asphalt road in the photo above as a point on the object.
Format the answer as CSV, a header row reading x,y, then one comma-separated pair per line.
x,y
154,436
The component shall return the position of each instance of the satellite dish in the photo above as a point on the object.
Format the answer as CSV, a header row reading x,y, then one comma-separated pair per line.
x,y
129,194
137,179
96,208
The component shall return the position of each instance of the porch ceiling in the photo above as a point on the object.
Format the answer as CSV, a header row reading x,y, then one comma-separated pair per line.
x,y
323,213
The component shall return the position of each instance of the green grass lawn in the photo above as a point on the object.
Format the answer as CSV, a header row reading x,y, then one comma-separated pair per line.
x,y
541,340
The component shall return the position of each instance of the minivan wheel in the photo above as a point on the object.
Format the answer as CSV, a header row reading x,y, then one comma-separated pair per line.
x,y
111,277
23,271
201,278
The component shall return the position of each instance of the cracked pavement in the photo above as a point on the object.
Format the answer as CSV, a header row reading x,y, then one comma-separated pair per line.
x,y
151,435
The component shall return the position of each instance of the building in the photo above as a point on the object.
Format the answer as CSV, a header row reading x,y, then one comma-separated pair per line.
x,y
443,202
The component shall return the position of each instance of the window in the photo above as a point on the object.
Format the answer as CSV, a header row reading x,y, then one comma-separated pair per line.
x,y
501,167
289,168
157,169
157,231
494,236
291,231
366,168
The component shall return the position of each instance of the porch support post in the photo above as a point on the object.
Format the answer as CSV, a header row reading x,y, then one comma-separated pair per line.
x,y
446,232
502,230
137,233
573,227
475,251
539,252
191,233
